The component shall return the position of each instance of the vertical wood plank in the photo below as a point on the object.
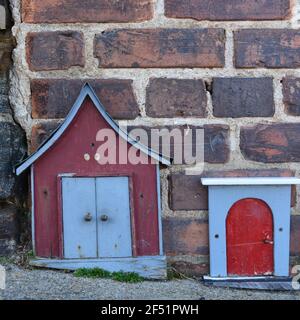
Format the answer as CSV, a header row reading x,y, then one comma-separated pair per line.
x,y
114,235
250,239
32,208
80,236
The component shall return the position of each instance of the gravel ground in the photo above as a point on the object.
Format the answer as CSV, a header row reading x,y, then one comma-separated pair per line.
x,y
38,284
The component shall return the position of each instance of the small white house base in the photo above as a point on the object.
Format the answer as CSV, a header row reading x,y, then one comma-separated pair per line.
x,y
252,283
150,267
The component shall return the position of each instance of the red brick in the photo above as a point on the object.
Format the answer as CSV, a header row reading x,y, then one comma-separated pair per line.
x,y
190,269
295,235
53,98
73,11
271,143
243,97
267,48
216,143
187,193
216,10
291,95
40,132
185,236
167,98
160,48
59,50
216,140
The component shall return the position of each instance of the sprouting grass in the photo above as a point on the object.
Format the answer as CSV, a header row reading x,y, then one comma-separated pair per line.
x,y
92,273
173,274
5,260
131,277
30,254
120,276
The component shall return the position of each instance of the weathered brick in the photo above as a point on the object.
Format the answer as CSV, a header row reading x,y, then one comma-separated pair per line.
x,y
167,98
59,50
187,193
267,48
185,236
40,132
74,11
12,150
216,143
295,235
190,269
216,140
291,95
243,97
271,143
53,98
160,48
217,10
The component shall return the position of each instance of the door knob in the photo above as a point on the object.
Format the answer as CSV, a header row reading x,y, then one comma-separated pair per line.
x,y
88,217
266,241
104,217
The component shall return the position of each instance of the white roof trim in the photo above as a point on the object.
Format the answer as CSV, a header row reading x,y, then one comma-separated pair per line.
x,y
250,181
88,91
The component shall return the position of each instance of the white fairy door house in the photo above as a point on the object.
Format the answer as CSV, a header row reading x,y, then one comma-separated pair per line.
x,y
249,226
90,214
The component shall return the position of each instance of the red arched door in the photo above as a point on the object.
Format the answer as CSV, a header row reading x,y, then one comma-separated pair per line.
x,y
250,242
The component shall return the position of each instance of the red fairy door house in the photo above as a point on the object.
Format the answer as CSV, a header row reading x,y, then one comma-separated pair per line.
x,y
90,213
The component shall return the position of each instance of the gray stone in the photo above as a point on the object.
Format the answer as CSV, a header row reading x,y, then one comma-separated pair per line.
x,y
12,150
8,221
4,89
3,11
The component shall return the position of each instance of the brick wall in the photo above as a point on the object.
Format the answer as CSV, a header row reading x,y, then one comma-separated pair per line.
x,y
230,67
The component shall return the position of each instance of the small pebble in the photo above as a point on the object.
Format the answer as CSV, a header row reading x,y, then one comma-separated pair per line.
x,y
42,284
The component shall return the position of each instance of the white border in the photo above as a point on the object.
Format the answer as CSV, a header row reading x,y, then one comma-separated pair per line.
x,y
250,181
161,247
32,208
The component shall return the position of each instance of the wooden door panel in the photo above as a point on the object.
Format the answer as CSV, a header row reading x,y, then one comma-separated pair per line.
x,y
114,233
250,239
79,200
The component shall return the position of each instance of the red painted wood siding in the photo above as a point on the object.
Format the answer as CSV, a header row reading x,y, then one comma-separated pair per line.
x,y
249,232
67,156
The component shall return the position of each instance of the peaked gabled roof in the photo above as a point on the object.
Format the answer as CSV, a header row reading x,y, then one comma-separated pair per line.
x,y
87,91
